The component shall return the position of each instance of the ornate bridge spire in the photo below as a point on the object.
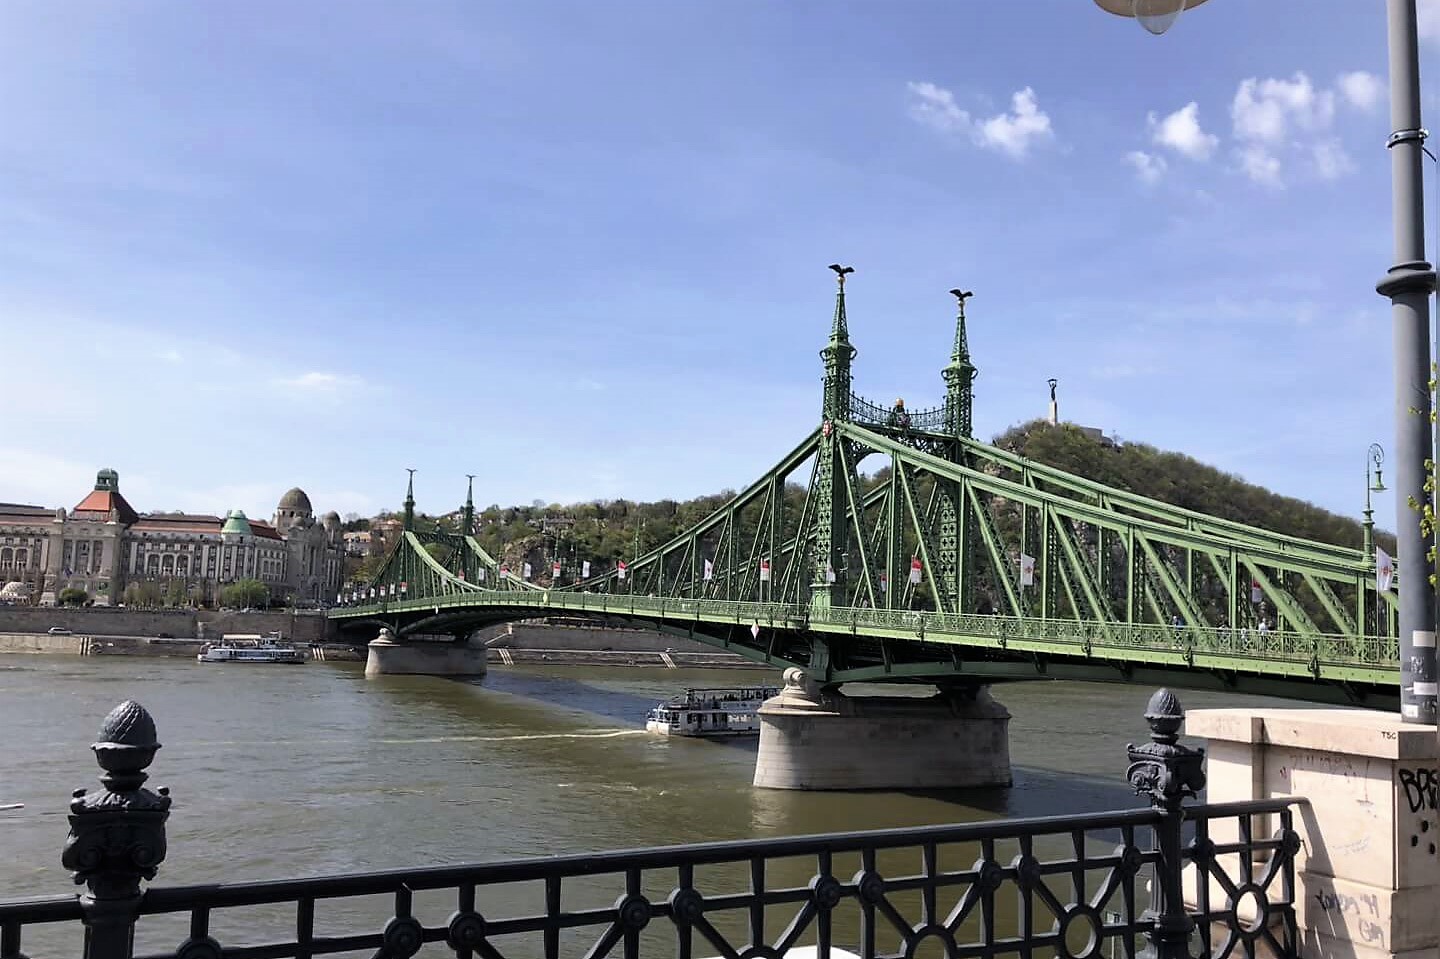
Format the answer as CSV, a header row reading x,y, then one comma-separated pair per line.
x,y
959,374
410,502
469,511
837,355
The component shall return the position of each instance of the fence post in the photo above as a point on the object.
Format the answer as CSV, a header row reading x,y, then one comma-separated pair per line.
x,y
1168,773
117,833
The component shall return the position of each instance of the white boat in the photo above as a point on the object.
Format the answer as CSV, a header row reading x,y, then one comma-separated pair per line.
x,y
251,649
711,713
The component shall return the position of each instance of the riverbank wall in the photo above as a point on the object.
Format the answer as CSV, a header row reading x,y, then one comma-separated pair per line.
x,y
552,642
300,626
87,645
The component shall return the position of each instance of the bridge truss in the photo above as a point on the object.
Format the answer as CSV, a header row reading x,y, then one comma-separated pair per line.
x,y
891,545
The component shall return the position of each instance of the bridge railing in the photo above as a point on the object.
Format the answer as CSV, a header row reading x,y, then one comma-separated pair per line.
x,y
1077,886
1305,652
868,413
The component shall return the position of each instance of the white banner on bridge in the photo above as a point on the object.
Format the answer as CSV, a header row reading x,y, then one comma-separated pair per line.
x,y
526,571
620,569
829,573
1384,570
480,574
1027,569
585,570
709,570
915,570
765,571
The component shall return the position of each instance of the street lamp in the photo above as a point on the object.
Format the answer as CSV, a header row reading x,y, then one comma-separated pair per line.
x,y
1157,16
1408,284
1374,483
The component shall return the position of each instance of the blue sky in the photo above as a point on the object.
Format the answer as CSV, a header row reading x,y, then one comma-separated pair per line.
x,y
579,249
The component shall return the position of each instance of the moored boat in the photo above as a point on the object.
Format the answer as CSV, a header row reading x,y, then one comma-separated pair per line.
x,y
251,649
711,713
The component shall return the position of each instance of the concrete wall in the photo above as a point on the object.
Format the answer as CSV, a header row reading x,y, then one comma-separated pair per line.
x,y
1367,871
303,627
83,645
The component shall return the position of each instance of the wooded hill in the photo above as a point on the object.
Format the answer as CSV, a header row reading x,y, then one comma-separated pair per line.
x,y
1183,481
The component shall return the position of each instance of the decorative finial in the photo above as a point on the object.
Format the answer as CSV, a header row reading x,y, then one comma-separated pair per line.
x,y
962,296
117,834
1163,769
841,272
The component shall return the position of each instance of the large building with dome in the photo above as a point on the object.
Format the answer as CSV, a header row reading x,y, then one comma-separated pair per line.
x,y
104,547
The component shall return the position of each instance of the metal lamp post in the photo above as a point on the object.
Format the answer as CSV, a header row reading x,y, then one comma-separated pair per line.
x,y
1374,483
1408,285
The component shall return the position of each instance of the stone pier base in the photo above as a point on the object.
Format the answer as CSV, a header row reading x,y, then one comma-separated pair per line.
x,y
389,657
814,739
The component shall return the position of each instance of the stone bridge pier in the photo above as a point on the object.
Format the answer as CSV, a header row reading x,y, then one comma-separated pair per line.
x,y
813,737
425,655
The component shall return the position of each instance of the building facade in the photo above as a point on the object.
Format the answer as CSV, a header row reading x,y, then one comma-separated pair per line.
x,y
105,548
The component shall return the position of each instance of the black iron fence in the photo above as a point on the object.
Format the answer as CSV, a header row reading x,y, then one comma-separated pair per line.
x,y
1170,881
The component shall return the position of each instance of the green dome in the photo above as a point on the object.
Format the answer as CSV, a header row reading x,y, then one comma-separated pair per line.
x,y
235,522
107,479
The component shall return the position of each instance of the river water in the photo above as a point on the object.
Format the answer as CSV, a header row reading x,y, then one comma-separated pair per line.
x,y
279,772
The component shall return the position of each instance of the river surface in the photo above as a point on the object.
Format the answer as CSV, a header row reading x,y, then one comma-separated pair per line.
x,y
279,772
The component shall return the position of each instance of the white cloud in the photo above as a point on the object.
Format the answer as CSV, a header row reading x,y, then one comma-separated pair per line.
x,y
1279,121
36,479
316,381
1181,132
1427,18
1012,133
935,107
1259,165
171,355
1360,89
1331,160
1148,167
1264,110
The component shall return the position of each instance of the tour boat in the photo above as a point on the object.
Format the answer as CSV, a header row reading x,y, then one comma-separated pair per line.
x,y
250,649
727,711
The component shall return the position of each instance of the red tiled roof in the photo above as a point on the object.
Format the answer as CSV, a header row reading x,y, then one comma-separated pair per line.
x,y
188,524
103,501
259,527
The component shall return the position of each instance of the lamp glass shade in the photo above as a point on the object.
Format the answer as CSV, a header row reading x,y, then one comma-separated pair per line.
x,y
1157,16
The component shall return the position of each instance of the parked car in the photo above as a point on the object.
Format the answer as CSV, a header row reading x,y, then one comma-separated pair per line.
x,y
166,636
59,631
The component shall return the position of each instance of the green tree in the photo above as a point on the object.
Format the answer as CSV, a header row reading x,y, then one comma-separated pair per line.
x,y
246,593
70,596
148,593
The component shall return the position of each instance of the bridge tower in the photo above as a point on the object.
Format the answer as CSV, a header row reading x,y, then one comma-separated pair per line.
x,y
955,573
829,574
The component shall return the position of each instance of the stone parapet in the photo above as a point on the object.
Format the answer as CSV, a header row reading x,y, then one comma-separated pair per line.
x,y
1368,873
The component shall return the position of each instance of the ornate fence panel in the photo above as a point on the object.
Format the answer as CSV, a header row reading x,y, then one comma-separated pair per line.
x,y
1075,887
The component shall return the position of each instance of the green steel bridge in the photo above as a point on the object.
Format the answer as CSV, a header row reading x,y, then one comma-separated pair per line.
x,y
956,563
